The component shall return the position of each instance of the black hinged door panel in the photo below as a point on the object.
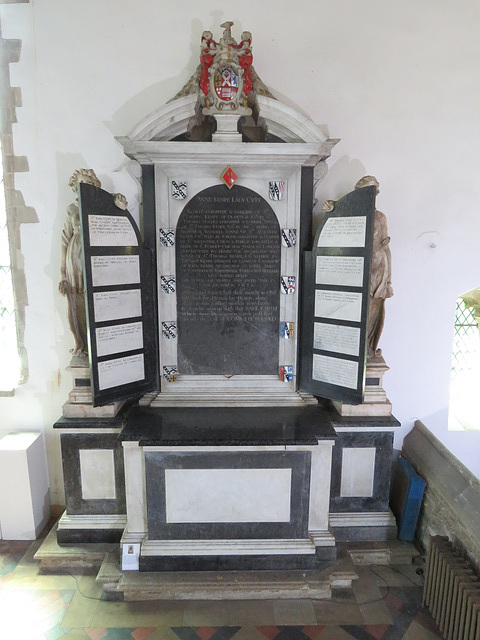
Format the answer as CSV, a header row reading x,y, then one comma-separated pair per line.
x,y
120,299
335,295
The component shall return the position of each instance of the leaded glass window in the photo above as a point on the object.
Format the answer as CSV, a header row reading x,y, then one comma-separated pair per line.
x,y
465,374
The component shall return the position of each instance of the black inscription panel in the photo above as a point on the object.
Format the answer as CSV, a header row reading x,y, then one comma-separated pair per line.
x,y
228,284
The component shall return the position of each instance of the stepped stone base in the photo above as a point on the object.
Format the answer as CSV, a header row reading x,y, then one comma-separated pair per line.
x,y
317,584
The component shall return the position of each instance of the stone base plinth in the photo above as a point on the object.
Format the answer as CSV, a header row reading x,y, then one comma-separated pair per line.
x,y
78,410
375,401
365,410
80,403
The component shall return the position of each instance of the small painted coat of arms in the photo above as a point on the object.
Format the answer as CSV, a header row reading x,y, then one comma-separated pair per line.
x,y
288,284
289,237
169,330
168,284
286,373
166,237
286,330
226,83
170,373
276,189
179,189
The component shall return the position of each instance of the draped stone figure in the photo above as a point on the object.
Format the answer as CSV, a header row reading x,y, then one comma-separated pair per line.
x,y
71,267
380,275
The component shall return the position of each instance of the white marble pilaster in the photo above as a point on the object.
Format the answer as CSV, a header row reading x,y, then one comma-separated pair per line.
x,y
135,489
320,475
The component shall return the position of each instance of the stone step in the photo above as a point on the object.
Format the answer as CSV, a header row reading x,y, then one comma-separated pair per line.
x,y
103,559
230,585
391,552
226,585
71,557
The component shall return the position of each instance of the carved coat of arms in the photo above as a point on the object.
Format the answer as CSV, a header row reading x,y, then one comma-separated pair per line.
x,y
225,78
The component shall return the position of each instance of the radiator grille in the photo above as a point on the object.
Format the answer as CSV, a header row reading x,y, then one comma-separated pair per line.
x,y
452,591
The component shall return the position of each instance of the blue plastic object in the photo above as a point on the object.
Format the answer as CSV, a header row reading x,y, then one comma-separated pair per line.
x,y
413,501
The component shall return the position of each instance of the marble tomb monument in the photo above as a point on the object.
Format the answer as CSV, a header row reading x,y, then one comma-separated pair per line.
x,y
202,435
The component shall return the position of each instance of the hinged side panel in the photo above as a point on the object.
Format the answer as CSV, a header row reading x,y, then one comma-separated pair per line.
x,y
335,300
119,298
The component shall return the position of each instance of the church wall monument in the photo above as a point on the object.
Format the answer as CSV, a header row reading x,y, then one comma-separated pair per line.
x,y
214,334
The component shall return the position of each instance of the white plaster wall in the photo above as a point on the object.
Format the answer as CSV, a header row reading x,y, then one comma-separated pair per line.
x,y
396,81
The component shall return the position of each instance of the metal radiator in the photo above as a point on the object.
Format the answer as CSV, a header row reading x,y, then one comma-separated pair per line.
x,y
452,591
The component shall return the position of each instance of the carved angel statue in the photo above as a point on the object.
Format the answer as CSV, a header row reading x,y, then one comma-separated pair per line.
x,y
71,264
380,274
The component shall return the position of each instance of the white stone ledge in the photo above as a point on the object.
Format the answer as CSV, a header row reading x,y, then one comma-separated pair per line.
x,y
362,519
92,522
227,547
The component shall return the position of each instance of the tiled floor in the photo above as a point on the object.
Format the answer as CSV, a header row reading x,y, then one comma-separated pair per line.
x,y
384,604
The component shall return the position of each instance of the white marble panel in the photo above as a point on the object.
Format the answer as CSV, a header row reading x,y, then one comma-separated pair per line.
x,y
97,472
228,495
358,471
135,488
320,476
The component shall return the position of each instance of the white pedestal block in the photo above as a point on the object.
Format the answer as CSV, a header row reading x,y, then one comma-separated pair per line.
x,y
24,495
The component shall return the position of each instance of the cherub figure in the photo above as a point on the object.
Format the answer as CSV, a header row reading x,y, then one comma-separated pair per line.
x,y
207,51
245,58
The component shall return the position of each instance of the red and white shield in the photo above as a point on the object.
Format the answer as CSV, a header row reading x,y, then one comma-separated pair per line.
x,y
226,83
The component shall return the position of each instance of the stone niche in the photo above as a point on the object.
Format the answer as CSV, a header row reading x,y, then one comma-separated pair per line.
x,y
219,326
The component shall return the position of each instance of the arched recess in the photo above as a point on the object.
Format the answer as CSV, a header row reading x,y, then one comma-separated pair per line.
x,y
228,305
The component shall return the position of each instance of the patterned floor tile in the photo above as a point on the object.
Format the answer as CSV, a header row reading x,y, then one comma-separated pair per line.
x,y
75,634
80,612
248,633
56,632
205,633
119,634
416,631
138,614
292,632
404,605
298,612
11,552
31,614
165,633
202,613
336,613
249,613
384,605
142,633
333,632
96,634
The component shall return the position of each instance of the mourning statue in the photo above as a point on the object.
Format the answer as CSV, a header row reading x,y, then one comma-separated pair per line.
x,y
71,267
380,275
